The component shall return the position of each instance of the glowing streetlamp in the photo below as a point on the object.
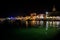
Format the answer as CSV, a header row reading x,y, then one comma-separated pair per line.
x,y
46,14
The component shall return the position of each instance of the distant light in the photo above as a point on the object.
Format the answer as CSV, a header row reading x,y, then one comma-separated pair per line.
x,y
8,18
11,17
58,23
37,16
46,12
41,16
57,17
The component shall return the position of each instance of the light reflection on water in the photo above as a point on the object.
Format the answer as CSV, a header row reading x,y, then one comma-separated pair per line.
x,y
45,23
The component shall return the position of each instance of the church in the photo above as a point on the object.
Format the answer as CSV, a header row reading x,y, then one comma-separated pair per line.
x,y
54,12
55,15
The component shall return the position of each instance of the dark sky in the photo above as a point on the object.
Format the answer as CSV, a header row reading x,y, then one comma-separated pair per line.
x,y
25,7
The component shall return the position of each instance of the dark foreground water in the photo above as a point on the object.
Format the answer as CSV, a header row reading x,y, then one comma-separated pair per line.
x,y
32,30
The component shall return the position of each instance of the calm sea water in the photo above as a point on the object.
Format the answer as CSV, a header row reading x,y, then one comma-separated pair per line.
x,y
42,24
32,33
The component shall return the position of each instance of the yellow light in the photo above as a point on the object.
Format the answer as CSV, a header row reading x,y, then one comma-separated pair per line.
x,y
46,12
50,17
33,22
41,16
47,17
37,16
26,23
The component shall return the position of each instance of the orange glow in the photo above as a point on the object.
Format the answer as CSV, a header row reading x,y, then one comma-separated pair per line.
x,y
33,22
33,14
26,23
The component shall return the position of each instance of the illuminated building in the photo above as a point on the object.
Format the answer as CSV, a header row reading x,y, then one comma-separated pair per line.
x,y
33,14
2,19
54,14
42,16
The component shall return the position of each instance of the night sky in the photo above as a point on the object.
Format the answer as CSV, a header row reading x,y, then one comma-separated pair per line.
x,y
26,7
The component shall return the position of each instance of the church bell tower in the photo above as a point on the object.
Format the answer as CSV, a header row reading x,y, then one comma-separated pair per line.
x,y
54,9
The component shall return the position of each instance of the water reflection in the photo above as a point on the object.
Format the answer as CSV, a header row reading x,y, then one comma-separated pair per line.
x,y
54,23
26,23
50,23
46,25
58,24
43,23
33,23
37,22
